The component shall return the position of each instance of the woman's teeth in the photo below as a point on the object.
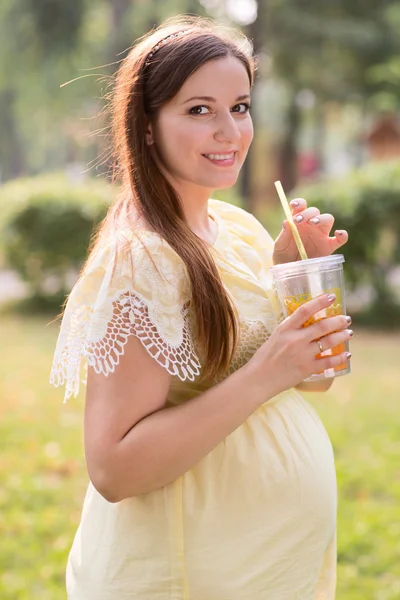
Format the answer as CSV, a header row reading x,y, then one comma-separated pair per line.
x,y
220,156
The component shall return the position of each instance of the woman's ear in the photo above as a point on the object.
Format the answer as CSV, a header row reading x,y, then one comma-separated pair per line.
x,y
149,135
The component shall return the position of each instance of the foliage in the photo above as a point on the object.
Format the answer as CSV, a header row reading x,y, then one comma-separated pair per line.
x,y
47,225
339,51
56,22
46,43
43,477
351,38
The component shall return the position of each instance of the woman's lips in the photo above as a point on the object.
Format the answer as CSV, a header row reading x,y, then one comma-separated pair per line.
x,y
226,159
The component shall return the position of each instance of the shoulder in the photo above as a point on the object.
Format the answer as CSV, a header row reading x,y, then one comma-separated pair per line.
x,y
141,260
241,223
132,284
231,212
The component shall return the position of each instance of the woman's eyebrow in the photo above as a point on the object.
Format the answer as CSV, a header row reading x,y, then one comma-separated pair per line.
x,y
211,99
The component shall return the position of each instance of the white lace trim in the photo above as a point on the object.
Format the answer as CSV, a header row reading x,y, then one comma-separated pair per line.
x,y
129,315
147,294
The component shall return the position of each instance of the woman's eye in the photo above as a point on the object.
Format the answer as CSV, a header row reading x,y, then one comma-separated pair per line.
x,y
199,110
241,108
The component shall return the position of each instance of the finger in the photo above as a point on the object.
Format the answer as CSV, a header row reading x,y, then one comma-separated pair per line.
x,y
305,215
284,240
286,227
298,205
331,341
341,237
329,362
324,222
327,325
308,309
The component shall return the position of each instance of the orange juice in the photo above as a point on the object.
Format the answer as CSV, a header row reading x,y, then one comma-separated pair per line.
x,y
298,282
292,303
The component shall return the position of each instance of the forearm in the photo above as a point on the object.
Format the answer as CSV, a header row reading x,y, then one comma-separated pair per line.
x,y
167,443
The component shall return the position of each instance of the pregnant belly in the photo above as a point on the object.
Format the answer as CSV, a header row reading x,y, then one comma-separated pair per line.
x,y
260,510
251,521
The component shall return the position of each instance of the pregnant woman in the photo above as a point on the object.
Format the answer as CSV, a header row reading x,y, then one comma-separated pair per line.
x,y
211,478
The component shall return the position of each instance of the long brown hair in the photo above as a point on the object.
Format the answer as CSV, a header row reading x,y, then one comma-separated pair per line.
x,y
144,83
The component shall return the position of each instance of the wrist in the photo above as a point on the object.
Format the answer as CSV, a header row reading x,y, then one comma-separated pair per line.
x,y
260,381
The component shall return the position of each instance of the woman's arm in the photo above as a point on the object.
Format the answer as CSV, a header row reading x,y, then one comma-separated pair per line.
x,y
134,444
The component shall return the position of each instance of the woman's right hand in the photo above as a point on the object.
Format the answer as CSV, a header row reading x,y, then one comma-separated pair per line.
x,y
290,355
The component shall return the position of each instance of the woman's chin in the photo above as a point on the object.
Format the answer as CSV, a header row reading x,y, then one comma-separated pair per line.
x,y
225,182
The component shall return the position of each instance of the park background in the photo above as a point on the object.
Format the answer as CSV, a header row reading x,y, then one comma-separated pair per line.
x,y
326,108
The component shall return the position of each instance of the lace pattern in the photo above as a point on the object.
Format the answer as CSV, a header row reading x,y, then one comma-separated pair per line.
x,y
142,291
130,316
145,292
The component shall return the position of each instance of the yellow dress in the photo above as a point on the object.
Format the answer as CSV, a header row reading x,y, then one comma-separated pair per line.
x,y
256,518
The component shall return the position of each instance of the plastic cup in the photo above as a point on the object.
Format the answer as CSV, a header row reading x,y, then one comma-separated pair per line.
x,y
300,281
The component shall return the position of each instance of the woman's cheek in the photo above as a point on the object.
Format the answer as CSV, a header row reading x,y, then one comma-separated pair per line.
x,y
248,132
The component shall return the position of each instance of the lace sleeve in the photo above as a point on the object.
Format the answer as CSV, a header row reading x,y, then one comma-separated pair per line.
x,y
143,291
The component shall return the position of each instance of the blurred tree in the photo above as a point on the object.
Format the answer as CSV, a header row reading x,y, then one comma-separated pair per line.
x,y
45,43
343,50
57,23
329,48
384,77
38,39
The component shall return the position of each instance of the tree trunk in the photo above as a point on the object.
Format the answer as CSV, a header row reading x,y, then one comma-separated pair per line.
x,y
288,152
255,33
12,156
319,135
118,43
118,10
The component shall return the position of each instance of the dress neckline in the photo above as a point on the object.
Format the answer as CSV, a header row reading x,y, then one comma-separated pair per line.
x,y
213,214
214,217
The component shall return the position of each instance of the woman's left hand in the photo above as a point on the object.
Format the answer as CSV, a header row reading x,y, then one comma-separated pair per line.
x,y
314,230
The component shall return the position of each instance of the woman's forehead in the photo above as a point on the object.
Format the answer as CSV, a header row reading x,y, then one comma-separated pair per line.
x,y
219,78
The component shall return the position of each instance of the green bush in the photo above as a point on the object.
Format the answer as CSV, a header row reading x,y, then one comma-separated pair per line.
x,y
46,224
367,204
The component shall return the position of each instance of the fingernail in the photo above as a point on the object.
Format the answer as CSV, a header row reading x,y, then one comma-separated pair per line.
x,y
340,233
348,319
350,332
298,218
331,297
315,220
348,355
295,203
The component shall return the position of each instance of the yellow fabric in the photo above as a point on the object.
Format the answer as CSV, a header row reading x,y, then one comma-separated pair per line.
x,y
256,518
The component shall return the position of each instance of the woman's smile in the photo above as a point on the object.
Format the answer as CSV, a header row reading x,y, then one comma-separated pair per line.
x,y
222,159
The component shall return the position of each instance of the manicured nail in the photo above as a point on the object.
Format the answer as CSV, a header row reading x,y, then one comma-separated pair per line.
x,y
348,319
348,355
331,297
295,203
350,332
298,218
315,220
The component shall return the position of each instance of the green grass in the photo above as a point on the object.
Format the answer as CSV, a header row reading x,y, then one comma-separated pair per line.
x,y
43,478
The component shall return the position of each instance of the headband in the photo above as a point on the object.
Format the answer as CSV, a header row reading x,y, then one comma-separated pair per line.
x,y
161,44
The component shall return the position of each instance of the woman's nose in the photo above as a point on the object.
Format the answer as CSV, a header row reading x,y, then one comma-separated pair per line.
x,y
227,129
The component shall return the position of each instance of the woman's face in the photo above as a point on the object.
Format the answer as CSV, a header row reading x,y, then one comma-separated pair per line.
x,y
203,133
